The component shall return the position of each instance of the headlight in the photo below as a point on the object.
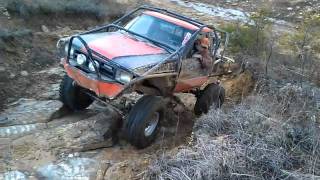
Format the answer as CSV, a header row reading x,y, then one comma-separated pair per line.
x,y
91,67
123,76
81,59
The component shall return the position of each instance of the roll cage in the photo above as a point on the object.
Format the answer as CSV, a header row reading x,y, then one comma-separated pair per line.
x,y
180,52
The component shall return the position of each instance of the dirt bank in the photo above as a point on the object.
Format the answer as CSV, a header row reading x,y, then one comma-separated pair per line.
x,y
28,35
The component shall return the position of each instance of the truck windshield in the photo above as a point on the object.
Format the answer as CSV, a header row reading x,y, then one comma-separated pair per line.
x,y
159,30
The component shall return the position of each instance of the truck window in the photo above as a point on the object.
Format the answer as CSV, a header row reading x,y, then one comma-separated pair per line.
x,y
158,30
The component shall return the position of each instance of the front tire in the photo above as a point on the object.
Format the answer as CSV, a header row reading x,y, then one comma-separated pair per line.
x,y
143,121
73,96
213,94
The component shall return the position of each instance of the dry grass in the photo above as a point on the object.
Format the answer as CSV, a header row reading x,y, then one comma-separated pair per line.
x,y
98,8
267,136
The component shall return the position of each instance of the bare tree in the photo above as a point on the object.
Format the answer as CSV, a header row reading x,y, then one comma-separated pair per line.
x,y
260,22
269,52
303,44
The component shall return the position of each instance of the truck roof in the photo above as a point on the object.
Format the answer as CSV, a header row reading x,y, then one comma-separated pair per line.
x,y
176,21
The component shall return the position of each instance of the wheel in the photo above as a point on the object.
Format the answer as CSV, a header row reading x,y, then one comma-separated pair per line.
x,y
144,120
212,94
73,96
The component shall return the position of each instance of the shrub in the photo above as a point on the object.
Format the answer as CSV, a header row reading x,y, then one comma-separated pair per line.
x,y
80,7
252,37
304,45
267,136
241,39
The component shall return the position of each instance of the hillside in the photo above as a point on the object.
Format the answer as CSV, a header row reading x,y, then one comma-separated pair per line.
x,y
268,127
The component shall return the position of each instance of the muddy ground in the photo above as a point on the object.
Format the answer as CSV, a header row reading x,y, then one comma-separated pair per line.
x,y
289,11
41,140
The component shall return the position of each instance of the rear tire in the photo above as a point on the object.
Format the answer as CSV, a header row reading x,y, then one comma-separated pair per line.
x,y
213,94
143,121
73,96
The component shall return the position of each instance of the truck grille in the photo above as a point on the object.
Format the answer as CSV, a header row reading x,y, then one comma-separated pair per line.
x,y
107,70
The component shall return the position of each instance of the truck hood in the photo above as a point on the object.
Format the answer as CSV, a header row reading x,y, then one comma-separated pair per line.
x,y
123,49
113,45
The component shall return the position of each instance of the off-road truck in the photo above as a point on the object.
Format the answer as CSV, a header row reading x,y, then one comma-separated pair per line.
x,y
148,51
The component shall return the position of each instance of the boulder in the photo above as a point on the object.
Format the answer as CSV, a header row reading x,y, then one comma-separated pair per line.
x,y
45,29
71,168
2,69
95,132
119,171
14,175
29,111
24,73
52,92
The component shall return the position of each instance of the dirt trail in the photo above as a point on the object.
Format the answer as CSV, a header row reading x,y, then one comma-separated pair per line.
x,y
40,140
31,141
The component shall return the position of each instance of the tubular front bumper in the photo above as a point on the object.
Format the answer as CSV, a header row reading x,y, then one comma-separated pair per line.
x,y
109,90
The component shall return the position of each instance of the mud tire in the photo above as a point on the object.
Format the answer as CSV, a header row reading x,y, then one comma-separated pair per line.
x,y
73,96
141,117
213,94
